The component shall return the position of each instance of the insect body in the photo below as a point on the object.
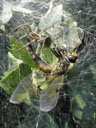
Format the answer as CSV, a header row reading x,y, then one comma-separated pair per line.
x,y
53,78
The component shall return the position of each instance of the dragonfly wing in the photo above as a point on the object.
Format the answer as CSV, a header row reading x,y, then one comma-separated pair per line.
x,y
49,97
22,91
48,102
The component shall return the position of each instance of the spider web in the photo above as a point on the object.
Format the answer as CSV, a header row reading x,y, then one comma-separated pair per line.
x,y
76,106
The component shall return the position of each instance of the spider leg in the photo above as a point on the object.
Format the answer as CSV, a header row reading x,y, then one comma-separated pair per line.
x,y
22,37
18,28
34,35
26,45
31,36
45,30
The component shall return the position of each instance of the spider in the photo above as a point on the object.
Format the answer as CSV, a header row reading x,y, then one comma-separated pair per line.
x,y
33,36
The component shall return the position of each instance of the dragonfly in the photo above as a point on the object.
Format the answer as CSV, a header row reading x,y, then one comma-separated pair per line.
x,y
49,79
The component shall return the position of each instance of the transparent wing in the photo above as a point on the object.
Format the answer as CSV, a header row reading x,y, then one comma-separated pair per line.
x,y
49,96
27,88
22,92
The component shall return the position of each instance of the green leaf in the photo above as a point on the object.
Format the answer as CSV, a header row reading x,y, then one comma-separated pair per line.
x,y
11,80
22,54
12,41
48,56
